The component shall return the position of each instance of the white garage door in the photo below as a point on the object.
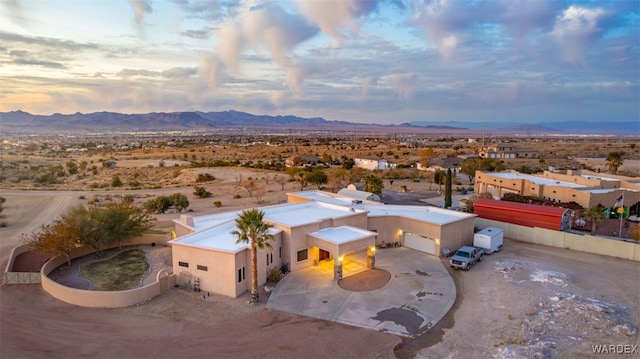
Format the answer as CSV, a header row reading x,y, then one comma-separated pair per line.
x,y
420,243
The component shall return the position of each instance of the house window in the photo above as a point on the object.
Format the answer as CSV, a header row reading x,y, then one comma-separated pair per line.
x,y
280,252
183,264
271,257
243,277
202,268
239,275
303,255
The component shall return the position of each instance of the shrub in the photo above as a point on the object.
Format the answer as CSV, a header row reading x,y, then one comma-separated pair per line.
x,y
217,204
205,177
274,275
236,196
116,181
201,192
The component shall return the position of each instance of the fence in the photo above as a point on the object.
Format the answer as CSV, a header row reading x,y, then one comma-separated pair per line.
x,y
11,277
576,242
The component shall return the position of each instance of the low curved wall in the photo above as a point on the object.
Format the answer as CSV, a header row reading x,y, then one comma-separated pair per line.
x,y
105,299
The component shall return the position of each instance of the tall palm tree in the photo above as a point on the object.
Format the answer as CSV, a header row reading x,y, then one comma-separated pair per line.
x,y
253,231
614,161
594,214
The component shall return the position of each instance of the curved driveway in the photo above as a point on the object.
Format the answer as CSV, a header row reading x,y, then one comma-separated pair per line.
x,y
419,293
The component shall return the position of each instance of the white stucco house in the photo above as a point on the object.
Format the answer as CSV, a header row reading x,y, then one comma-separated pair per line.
x,y
313,226
373,163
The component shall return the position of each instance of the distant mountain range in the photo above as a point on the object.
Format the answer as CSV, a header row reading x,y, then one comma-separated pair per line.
x,y
229,121
569,127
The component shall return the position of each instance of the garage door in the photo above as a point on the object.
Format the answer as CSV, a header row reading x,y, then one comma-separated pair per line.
x,y
420,243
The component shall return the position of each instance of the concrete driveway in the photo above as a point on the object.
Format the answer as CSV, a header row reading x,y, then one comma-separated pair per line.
x,y
419,293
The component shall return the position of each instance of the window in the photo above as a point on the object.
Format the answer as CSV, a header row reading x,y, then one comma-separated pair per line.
x,y
280,251
183,264
271,257
202,268
303,255
241,274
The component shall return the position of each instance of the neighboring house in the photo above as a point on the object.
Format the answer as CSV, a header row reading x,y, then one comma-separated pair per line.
x,y
314,226
507,151
373,163
357,194
586,188
303,161
441,163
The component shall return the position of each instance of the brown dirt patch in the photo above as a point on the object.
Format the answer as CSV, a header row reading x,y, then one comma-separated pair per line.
x,y
368,280
30,261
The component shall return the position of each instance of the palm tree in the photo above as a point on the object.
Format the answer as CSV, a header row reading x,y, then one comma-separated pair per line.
x,y
253,231
594,214
614,161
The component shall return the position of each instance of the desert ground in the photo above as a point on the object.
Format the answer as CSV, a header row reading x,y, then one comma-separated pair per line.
x,y
526,301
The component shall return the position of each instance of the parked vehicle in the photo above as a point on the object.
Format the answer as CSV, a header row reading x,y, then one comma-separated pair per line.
x,y
490,239
464,257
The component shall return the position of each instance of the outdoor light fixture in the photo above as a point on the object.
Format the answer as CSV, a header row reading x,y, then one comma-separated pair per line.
x,y
340,259
373,249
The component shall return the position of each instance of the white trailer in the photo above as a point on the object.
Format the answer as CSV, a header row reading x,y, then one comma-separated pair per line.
x,y
490,239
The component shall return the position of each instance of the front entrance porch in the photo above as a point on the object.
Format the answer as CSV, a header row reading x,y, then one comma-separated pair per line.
x,y
351,264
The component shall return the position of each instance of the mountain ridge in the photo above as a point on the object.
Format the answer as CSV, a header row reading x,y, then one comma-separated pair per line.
x,y
229,120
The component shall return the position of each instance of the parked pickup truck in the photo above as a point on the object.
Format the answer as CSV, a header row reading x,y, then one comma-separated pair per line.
x,y
464,257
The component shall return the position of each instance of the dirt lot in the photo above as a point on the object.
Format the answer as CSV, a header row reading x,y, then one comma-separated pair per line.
x,y
527,301
533,301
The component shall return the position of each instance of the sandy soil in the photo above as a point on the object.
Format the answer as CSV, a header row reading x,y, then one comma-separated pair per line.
x,y
537,302
629,165
527,301
176,324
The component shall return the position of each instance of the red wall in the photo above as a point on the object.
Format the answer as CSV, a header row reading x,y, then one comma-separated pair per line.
x,y
525,217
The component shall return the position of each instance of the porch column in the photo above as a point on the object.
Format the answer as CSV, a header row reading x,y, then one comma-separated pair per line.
x,y
371,257
337,267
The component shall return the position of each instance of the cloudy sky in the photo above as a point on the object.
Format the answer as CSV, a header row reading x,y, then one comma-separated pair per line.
x,y
368,61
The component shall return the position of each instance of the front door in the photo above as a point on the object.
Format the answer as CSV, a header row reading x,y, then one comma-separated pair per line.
x,y
324,255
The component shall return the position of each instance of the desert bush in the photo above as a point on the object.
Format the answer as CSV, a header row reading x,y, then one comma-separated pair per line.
x,y
116,181
513,197
201,192
274,275
217,204
205,177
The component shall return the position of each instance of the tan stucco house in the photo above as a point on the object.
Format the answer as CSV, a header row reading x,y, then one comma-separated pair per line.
x,y
313,226
586,188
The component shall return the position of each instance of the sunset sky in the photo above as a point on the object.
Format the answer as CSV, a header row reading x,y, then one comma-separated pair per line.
x,y
528,61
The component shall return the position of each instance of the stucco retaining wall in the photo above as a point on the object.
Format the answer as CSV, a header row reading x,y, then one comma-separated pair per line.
x,y
583,243
107,299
